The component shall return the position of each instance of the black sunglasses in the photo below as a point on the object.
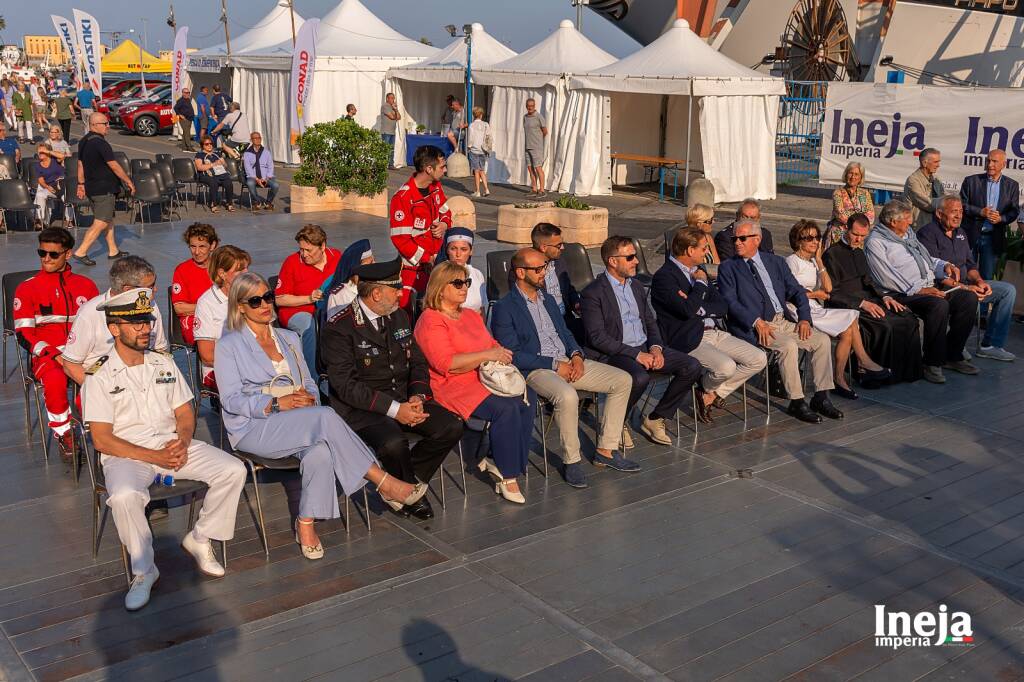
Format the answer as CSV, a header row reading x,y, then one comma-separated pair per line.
x,y
459,283
810,238
630,257
54,255
743,238
256,301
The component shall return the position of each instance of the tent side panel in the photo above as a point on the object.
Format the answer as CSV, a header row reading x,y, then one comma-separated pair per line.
x,y
739,145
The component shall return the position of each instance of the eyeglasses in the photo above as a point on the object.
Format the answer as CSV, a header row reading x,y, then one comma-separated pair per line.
x,y
137,326
560,246
709,221
52,255
630,257
102,123
539,269
460,283
811,238
743,238
257,301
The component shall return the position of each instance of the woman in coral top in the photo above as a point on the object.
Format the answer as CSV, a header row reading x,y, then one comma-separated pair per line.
x,y
456,342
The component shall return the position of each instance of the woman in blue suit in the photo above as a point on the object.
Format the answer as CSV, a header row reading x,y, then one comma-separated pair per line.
x,y
253,356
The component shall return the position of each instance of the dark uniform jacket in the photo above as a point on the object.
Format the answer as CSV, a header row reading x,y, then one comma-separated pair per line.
x,y
366,370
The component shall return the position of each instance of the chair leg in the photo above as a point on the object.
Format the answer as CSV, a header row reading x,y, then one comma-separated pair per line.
x,y
224,553
5,359
192,511
44,426
95,524
259,509
767,398
126,564
366,507
440,476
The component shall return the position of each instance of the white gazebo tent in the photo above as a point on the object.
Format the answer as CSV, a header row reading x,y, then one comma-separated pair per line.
x,y
421,88
737,109
577,147
354,51
274,28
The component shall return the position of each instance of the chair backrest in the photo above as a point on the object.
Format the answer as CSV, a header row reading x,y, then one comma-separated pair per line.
x,y
670,234
163,168
498,265
577,262
140,164
184,170
10,164
177,338
233,169
641,258
14,195
160,158
147,186
122,160
9,284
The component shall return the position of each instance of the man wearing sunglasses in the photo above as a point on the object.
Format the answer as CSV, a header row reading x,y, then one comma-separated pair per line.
x,y
622,331
757,287
45,307
527,322
139,410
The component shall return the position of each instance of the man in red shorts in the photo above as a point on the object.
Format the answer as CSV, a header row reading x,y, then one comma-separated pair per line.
x,y
191,279
44,309
419,217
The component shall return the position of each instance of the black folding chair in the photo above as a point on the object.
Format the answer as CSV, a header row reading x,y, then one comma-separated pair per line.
x,y
14,196
147,193
71,197
184,172
177,341
577,262
137,165
643,273
9,283
11,165
499,263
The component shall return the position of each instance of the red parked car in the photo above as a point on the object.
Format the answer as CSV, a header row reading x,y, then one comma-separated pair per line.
x,y
117,89
148,118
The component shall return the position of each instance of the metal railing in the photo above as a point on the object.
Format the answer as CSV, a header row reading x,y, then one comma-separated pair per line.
x,y
798,138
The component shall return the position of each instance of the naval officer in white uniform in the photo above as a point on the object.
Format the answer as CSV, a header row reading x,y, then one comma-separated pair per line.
x,y
139,410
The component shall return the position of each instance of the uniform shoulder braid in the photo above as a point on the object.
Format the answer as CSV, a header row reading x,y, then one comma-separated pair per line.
x,y
95,367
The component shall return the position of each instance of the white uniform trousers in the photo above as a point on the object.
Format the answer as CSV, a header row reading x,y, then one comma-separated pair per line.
x,y
728,361
128,482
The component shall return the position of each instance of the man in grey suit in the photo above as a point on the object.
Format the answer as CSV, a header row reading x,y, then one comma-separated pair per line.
x,y
923,188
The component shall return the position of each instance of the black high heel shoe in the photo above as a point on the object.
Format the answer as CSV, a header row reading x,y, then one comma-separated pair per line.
x,y
844,393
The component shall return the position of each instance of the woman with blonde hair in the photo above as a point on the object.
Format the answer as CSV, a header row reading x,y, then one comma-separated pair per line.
x,y
702,217
271,408
456,342
849,199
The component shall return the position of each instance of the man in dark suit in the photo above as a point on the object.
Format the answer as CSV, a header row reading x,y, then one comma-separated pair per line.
x,y
991,204
751,210
691,314
757,287
527,322
622,331
379,382
547,239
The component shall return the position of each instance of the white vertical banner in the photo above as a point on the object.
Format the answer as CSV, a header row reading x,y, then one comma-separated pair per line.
x,y
69,37
89,44
303,65
178,62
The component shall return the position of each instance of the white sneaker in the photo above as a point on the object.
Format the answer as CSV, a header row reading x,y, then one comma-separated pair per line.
x,y
966,356
476,194
138,592
203,553
996,353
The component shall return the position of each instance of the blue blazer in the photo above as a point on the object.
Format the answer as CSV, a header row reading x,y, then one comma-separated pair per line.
x,y
513,327
681,320
974,194
243,370
746,302
602,320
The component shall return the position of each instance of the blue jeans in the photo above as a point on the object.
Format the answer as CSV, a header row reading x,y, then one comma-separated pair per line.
x,y
985,255
271,186
1002,298
302,324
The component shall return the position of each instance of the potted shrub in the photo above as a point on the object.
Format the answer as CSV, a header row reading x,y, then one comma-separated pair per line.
x,y
579,221
344,166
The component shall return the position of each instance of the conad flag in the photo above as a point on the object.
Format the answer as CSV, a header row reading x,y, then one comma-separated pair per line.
x,y
89,45
178,62
303,62
69,37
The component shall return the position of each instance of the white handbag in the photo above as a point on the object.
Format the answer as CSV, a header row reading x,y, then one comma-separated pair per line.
x,y
275,390
503,380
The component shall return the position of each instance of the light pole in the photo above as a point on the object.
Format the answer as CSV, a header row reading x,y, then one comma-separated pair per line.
x,y
142,71
467,32
145,32
579,4
290,4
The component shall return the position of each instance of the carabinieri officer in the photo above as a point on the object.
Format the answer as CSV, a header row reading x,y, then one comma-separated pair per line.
x,y
379,382
139,410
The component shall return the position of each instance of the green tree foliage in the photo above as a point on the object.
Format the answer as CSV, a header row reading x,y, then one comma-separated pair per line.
x,y
345,156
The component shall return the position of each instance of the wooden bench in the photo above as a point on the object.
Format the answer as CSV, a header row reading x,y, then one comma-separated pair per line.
x,y
662,165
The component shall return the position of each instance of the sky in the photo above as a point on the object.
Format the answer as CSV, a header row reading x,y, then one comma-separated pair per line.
x,y
517,23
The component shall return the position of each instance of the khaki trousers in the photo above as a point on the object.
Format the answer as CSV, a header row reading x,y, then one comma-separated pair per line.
x,y
728,362
788,345
597,377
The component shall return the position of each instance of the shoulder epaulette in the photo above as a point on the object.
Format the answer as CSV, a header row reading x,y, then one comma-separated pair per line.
x,y
96,365
344,312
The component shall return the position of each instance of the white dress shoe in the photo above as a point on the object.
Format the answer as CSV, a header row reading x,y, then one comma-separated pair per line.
x,y
502,488
488,466
205,558
138,593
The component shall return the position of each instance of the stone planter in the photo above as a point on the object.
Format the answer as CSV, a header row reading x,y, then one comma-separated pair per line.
x,y
463,212
308,200
589,228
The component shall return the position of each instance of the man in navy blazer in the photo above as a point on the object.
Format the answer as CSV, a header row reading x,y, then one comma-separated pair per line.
x,y
991,204
527,322
758,286
691,314
547,239
621,330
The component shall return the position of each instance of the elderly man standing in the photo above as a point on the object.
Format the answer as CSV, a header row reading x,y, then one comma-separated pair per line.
x,y
903,268
757,286
923,188
185,110
991,203
945,239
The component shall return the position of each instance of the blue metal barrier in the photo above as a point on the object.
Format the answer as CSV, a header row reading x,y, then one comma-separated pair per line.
x,y
798,138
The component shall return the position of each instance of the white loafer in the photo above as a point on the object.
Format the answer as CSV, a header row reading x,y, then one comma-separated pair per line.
x,y
138,593
205,558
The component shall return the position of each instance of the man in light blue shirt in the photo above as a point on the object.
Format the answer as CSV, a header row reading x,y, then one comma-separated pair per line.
x,y
259,172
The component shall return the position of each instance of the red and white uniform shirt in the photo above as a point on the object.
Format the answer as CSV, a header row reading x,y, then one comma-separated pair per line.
x,y
298,279
189,282
412,213
45,308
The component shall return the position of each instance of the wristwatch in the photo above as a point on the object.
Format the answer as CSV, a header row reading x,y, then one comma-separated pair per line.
x,y
275,406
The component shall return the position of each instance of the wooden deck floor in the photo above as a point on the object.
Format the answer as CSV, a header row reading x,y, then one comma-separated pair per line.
x,y
684,571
